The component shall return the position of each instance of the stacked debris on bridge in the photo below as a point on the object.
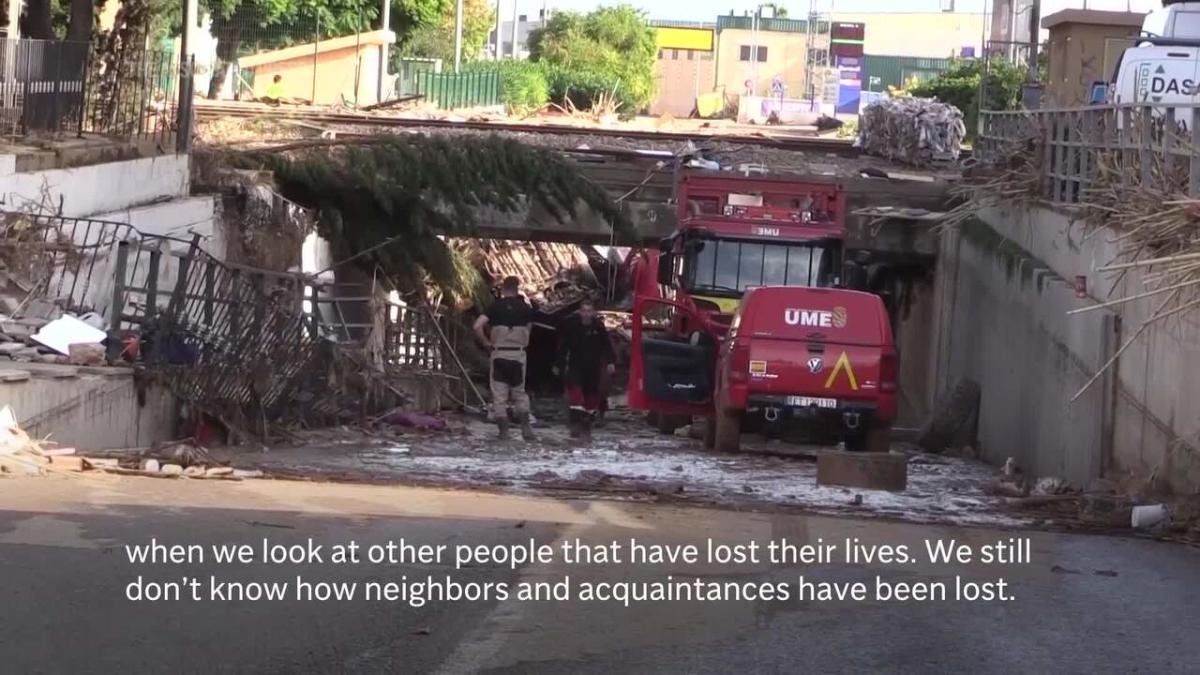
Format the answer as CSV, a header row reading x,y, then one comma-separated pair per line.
x,y
554,275
917,131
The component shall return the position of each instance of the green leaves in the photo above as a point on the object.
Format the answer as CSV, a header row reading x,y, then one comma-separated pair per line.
x,y
608,51
960,86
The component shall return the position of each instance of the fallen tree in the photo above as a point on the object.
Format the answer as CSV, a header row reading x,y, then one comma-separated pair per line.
x,y
386,201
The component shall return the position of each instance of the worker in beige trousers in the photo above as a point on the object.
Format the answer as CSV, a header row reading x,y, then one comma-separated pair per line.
x,y
504,329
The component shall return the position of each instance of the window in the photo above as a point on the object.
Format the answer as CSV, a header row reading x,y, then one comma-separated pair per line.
x,y
744,55
1186,24
731,267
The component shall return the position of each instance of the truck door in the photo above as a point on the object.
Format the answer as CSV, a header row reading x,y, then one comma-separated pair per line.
x,y
669,371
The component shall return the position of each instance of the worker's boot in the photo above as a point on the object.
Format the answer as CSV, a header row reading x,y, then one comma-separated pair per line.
x,y
502,423
574,427
585,425
527,428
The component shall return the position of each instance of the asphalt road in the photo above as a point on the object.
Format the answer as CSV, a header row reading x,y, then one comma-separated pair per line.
x,y
1083,604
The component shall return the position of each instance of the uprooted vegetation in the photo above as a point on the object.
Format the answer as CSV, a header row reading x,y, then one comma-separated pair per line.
x,y
1139,200
386,201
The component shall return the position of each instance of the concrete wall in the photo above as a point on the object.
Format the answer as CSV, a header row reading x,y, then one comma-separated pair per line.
x,y
1082,53
682,75
1009,330
88,408
1002,322
929,34
787,54
84,191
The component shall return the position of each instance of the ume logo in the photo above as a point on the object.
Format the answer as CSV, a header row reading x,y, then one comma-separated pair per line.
x,y
816,318
808,317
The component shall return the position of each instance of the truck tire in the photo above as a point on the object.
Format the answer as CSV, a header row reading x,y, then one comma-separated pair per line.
x,y
951,422
727,431
667,424
879,438
710,432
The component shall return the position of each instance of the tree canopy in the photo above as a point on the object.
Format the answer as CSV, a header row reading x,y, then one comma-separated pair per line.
x,y
611,49
389,198
435,39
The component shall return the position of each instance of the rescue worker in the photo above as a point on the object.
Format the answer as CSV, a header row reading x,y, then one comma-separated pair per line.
x,y
587,355
504,329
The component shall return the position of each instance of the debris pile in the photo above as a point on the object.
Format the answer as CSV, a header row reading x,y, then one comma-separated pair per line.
x,y
917,131
554,275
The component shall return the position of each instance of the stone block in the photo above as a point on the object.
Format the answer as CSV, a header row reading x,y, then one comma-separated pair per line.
x,y
869,470
83,354
67,463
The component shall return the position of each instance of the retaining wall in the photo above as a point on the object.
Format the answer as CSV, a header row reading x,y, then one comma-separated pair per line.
x,y
1004,287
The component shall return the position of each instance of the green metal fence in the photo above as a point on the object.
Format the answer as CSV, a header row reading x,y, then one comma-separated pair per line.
x,y
881,72
464,90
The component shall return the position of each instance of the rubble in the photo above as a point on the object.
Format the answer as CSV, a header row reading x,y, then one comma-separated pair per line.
x,y
917,131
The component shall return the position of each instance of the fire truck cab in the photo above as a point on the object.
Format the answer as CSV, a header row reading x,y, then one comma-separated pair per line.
x,y
737,233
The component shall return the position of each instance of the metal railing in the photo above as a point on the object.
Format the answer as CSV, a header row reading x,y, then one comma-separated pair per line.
x,y
58,87
461,90
1148,145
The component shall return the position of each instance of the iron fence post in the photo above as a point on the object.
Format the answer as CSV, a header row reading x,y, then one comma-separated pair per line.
x,y
118,302
83,89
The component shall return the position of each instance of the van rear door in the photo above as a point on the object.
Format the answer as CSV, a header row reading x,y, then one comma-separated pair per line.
x,y
825,347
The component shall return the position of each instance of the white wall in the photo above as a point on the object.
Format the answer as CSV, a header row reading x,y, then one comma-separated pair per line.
x,y
86,191
1155,401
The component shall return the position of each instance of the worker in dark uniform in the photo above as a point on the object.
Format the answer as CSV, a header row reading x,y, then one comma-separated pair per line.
x,y
587,357
504,329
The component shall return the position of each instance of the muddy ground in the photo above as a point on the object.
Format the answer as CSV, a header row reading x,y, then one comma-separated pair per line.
x,y
627,459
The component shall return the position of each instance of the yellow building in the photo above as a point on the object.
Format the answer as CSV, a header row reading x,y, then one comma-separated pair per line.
x,y
346,69
685,67
924,34
751,60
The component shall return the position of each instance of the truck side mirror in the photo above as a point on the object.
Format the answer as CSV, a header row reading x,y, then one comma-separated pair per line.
x,y
666,268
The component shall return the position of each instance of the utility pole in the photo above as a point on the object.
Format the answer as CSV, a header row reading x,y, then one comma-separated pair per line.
x,y
1035,29
496,54
183,130
458,12
514,30
385,25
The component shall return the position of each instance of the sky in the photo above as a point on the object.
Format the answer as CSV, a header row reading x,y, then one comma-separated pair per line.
x,y
707,10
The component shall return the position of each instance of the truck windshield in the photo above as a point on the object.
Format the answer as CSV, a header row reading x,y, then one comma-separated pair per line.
x,y
726,267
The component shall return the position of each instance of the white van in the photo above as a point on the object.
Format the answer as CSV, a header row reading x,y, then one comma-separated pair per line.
x,y
1165,66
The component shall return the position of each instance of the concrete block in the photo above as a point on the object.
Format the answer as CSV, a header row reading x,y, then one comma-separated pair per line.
x,y
152,465
8,375
86,354
217,471
171,469
869,470
194,471
101,462
67,463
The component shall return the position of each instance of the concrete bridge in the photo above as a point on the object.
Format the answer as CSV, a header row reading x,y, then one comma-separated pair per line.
x,y
646,189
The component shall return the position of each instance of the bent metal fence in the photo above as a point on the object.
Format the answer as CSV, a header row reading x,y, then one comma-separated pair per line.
x,y
57,87
1151,146
226,338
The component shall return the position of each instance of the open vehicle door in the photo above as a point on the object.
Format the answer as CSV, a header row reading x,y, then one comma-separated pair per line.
x,y
669,371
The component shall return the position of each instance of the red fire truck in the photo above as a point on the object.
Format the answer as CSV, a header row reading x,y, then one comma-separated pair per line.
x,y
706,341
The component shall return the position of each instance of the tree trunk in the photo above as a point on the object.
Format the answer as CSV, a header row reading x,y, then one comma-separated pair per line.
x,y
229,37
82,20
37,20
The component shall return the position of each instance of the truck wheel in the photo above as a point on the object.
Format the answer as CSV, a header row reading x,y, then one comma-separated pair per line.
x,y
951,422
667,424
727,432
652,418
879,438
710,432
